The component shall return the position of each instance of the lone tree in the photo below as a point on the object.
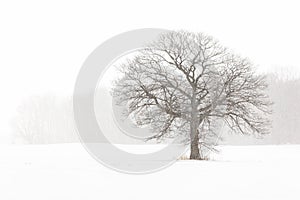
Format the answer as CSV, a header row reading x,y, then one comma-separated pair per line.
x,y
183,83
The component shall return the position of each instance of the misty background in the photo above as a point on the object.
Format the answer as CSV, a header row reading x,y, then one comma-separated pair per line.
x,y
42,52
48,119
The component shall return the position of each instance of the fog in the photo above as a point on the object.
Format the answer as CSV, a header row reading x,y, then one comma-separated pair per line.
x,y
42,52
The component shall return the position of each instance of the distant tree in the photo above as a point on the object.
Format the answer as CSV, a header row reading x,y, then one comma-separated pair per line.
x,y
285,93
46,119
184,82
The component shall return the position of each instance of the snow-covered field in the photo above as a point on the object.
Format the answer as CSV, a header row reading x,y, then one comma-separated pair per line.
x,y
67,171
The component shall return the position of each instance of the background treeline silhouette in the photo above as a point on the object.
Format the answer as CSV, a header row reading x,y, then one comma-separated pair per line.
x,y
49,118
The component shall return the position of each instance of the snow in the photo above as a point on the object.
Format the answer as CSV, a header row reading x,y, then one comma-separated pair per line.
x,y
67,171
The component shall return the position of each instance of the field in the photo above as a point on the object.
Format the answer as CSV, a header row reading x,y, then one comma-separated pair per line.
x,y
67,171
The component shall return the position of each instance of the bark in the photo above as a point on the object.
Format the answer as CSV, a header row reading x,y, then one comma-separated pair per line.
x,y
195,152
194,134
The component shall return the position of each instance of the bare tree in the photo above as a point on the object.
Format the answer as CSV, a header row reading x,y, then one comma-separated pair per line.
x,y
183,83
45,119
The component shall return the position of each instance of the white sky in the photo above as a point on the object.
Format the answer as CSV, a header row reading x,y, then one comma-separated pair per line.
x,y
42,45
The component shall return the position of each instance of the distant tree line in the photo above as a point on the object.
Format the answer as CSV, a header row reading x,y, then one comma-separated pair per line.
x,y
44,120
49,119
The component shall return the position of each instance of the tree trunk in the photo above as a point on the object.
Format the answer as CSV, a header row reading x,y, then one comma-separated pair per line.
x,y
195,153
194,134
